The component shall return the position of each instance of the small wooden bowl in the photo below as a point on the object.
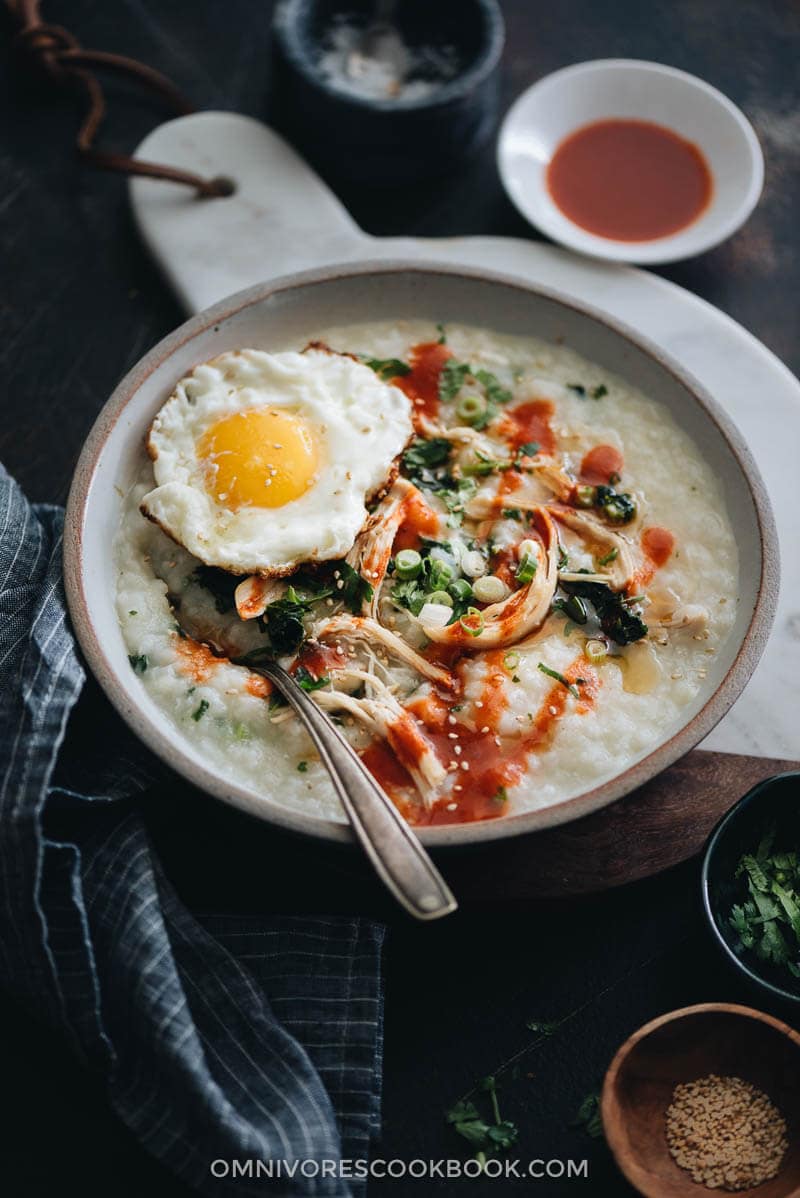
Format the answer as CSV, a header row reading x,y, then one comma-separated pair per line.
x,y
680,1047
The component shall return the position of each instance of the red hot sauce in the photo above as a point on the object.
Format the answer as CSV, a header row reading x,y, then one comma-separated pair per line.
x,y
629,180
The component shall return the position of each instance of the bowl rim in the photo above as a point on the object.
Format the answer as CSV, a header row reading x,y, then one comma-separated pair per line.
x,y
712,845
656,250
124,696
294,48
609,1107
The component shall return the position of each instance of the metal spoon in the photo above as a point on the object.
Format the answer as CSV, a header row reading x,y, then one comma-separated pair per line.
x,y
397,856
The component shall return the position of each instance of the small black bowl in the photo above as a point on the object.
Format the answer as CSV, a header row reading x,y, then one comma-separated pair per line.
x,y
394,139
776,800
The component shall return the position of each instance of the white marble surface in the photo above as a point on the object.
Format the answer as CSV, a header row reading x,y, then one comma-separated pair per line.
x,y
283,218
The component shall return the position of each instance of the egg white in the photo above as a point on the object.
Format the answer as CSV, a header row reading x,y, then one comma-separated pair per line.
x,y
359,423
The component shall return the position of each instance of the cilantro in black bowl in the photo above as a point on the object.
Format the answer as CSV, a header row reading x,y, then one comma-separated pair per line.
x,y
751,886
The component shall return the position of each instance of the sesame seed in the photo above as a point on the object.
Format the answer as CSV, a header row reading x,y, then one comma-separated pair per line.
x,y
451,719
725,1133
457,750
465,765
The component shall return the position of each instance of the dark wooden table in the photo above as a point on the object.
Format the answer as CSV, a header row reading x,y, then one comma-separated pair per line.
x,y
81,303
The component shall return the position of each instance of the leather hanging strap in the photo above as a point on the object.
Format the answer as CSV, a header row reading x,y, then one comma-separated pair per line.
x,y
54,51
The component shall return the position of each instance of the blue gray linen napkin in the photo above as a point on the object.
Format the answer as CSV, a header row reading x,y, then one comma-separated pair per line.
x,y
206,1059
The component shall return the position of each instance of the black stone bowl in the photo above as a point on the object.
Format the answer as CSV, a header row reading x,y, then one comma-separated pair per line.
x,y
775,801
396,139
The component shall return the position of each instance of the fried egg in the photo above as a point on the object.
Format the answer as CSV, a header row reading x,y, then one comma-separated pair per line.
x,y
265,461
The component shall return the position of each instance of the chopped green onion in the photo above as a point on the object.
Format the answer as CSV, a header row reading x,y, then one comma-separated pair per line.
x,y
441,598
611,556
302,766
407,564
595,651
501,796
489,589
200,711
472,622
526,570
470,408
511,661
573,690
460,590
585,496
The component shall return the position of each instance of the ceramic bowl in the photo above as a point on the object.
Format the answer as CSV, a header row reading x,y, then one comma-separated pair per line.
x,y
683,1046
618,87
285,312
774,801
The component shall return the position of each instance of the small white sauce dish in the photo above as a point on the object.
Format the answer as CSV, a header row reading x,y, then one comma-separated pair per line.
x,y
578,95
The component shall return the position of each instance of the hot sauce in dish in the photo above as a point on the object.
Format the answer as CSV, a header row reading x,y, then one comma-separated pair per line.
x,y
629,180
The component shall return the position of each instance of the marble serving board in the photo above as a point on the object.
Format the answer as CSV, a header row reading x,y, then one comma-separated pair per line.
x,y
283,218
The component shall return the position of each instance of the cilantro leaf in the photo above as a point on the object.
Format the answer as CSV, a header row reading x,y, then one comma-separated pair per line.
x,y
588,1116
388,368
354,590
452,378
426,455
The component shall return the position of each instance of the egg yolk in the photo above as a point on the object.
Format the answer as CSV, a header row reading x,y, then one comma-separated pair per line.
x,y
258,458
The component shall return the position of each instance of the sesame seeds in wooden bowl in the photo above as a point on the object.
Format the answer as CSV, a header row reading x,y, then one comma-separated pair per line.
x,y
715,1087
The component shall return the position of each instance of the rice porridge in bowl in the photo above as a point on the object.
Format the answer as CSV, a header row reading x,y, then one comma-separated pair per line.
x,y
503,570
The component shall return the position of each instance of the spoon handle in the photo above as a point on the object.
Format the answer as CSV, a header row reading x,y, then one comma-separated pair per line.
x,y
396,854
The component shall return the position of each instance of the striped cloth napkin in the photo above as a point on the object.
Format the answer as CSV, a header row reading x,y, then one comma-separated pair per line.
x,y
208,1061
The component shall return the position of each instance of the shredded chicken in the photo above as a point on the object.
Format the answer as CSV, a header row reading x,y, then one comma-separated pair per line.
x,y
602,540
364,628
254,593
373,546
691,616
383,716
522,612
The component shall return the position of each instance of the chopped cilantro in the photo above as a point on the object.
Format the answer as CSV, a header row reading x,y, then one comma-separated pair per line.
x,y
455,374
481,1134
440,329
578,389
302,766
138,662
588,1116
425,455
306,680
452,378
511,513
599,391
767,919
354,590
200,711
387,368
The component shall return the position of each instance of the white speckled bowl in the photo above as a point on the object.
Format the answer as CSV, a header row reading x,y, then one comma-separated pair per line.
x,y
273,314
562,102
